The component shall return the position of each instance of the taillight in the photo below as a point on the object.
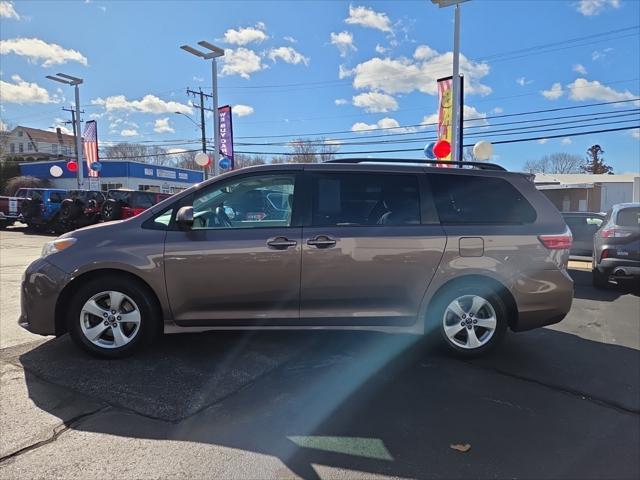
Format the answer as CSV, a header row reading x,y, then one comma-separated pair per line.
x,y
557,242
614,233
605,253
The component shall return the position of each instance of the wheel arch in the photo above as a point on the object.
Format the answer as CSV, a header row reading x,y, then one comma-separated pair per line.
x,y
474,280
69,289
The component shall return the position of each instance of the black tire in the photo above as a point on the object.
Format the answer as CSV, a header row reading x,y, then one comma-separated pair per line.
x,y
150,317
69,210
436,315
599,279
111,210
59,226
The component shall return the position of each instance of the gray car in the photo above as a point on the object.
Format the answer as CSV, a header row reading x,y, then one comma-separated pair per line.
x,y
461,254
616,250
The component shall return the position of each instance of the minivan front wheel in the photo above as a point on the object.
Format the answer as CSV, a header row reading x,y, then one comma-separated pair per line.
x,y
472,320
111,318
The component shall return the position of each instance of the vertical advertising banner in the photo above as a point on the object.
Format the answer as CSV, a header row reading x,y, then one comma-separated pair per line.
x,y
90,150
226,133
445,112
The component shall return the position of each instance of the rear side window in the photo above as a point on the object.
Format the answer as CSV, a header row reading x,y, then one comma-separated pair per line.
x,y
465,199
353,199
629,217
143,200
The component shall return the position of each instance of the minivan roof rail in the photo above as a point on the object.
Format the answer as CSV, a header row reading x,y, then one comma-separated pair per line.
x,y
478,165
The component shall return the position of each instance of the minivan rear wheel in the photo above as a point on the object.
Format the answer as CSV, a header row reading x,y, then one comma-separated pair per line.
x,y
111,317
472,320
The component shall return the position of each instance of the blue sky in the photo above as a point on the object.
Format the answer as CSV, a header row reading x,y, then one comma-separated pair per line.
x,y
309,67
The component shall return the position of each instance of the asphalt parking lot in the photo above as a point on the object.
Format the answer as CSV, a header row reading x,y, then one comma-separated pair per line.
x,y
559,402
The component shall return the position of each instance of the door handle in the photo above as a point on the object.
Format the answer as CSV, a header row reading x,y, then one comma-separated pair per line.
x,y
321,241
281,243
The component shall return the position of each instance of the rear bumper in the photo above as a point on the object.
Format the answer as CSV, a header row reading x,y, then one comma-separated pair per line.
x,y
543,297
41,285
608,266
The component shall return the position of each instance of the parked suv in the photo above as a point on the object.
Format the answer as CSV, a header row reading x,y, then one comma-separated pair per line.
x,y
616,250
121,204
459,254
40,207
79,209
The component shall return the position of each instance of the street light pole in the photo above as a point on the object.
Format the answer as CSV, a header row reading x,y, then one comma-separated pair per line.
x,y
456,107
213,54
75,82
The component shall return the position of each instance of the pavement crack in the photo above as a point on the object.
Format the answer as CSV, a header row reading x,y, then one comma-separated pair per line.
x,y
57,431
568,391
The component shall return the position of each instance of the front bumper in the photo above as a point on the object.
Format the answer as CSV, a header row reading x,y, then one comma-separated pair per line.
x,y
41,285
543,297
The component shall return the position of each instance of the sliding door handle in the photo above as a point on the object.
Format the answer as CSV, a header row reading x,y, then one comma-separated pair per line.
x,y
281,243
321,241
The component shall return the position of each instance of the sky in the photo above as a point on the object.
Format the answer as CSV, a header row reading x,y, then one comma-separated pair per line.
x,y
311,69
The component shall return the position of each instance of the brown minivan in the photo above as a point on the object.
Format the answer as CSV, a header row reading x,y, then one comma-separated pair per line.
x,y
390,245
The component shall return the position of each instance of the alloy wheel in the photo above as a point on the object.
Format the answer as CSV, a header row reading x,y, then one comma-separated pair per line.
x,y
110,319
469,321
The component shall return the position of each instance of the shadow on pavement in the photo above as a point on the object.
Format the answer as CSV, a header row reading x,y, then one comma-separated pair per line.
x,y
584,289
548,404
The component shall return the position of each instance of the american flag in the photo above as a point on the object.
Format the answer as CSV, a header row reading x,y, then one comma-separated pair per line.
x,y
90,137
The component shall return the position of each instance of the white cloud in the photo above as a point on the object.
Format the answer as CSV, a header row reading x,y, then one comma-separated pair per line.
x,y
522,81
380,49
497,110
103,8
241,61
148,104
403,75
129,132
163,125
60,123
635,133
600,54
375,102
38,50
566,141
579,68
385,123
198,79
590,8
542,141
344,72
290,39
242,110
23,92
343,42
367,17
341,101
424,52
582,89
7,10
554,93
244,36
287,55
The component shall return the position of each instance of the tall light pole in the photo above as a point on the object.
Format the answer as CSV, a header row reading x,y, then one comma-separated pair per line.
x,y
75,82
215,52
455,81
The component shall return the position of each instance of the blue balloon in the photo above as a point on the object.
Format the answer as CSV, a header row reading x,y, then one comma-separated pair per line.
x,y
428,151
96,166
224,163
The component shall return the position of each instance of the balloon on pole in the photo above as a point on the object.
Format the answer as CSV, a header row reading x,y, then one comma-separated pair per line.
x,y
442,148
224,163
72,166
428,150
96,166
56,171
482,150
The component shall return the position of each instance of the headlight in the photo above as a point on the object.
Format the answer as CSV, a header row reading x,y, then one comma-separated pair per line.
x,y
57,246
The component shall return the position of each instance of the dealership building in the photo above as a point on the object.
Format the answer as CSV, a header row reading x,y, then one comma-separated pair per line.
x,y
118,174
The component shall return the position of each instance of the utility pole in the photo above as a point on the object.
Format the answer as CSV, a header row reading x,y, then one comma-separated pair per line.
x,y
75,128
202,108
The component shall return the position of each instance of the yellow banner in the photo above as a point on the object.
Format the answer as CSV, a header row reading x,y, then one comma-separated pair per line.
x,y
445,95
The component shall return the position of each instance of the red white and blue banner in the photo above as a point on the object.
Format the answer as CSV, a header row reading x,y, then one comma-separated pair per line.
x,y
90,146
226,133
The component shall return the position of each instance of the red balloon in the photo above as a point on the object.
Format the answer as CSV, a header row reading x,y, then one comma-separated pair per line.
x,y
72,166
442,148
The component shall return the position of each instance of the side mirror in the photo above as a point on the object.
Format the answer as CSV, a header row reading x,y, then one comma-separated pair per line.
x,y
184,218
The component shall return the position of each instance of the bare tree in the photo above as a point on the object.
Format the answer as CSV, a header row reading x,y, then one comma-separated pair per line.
x,y
242,160
138,152
554,163
312,150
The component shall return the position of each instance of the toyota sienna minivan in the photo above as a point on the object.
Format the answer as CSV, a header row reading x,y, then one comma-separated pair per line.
x,y
392,245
